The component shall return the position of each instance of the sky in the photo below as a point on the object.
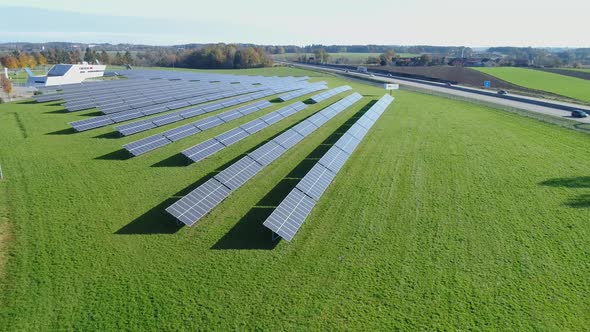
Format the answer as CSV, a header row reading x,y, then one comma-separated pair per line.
x,y
386,22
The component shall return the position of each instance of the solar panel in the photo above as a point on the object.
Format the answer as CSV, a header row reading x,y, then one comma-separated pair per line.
x,y
318,119
181,132
347,143
272,118
254,126
208,123
199,202
239,172
330,93
151,110
165,119
232,136
88,124
292,212
191,112
147,144
231,115
288,139
135,127
126,116
316,181
203,150
305,128
288,217
267,153
365,122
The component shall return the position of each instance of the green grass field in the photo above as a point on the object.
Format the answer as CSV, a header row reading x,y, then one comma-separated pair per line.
x,y
534,79
448,216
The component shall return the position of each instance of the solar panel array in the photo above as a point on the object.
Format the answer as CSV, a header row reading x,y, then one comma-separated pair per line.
x,y
296,94
219,142
192,207
105,120
288,217
330,93
153,142
143,125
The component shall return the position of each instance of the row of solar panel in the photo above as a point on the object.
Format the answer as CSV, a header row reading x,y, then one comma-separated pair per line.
x,y
114,102
296,94
330,93
219,142
192,207
105,120
153,142
143,125
288,217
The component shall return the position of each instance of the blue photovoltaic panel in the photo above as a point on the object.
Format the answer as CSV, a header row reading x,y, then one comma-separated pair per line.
x,y
208,123
254,126
267,153
272,118
191,112
305,127
199,202
126,116
151,110
334,159
238,173
232,136
136,127
165,119
181,132
97,122
318,119
203,150
316,181
147,144
365,122
357,131
231,115
288,217
288,139
347,143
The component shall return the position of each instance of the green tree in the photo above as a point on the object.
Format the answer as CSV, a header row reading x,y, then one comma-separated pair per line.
x,y
128,58
386,58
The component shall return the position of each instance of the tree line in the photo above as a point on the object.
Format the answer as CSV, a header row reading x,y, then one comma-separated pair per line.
x,y
216,56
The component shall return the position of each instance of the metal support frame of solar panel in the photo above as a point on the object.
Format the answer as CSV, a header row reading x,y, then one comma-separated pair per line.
x,y
153,142
139,126
330,93
104,120
288,217
195,205
203,150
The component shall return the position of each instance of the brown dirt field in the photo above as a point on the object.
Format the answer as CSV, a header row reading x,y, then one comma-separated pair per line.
x,y
565,72
461,75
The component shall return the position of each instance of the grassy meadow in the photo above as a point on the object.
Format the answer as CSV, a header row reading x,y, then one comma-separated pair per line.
x,y
571,87
448,216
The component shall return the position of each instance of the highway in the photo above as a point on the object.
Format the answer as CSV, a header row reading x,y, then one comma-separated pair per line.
x,y
537,105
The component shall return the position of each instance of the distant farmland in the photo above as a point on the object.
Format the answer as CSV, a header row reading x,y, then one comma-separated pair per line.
x,y
352,58
448,216
571,87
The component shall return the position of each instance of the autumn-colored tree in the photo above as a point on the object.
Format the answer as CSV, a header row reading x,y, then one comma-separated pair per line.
x,y
6,84
41,60
386,57
9,61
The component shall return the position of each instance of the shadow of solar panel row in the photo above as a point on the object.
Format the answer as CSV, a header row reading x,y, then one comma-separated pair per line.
x,y
139,126
195,205
219,142
104,120
330,93
288,217
296,94
147,144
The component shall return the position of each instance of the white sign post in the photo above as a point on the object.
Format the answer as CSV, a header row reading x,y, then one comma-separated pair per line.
x,y
391,86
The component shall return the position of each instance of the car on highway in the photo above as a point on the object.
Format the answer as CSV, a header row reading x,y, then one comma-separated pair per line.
x,y
579,114
502,92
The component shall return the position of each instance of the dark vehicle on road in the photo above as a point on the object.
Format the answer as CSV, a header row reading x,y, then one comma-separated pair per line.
x,y
579,114
502,92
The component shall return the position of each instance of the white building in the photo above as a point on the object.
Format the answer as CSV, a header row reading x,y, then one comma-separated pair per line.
x,y
66,74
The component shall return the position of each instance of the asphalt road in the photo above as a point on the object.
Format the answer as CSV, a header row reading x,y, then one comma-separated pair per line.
x,y
538,105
